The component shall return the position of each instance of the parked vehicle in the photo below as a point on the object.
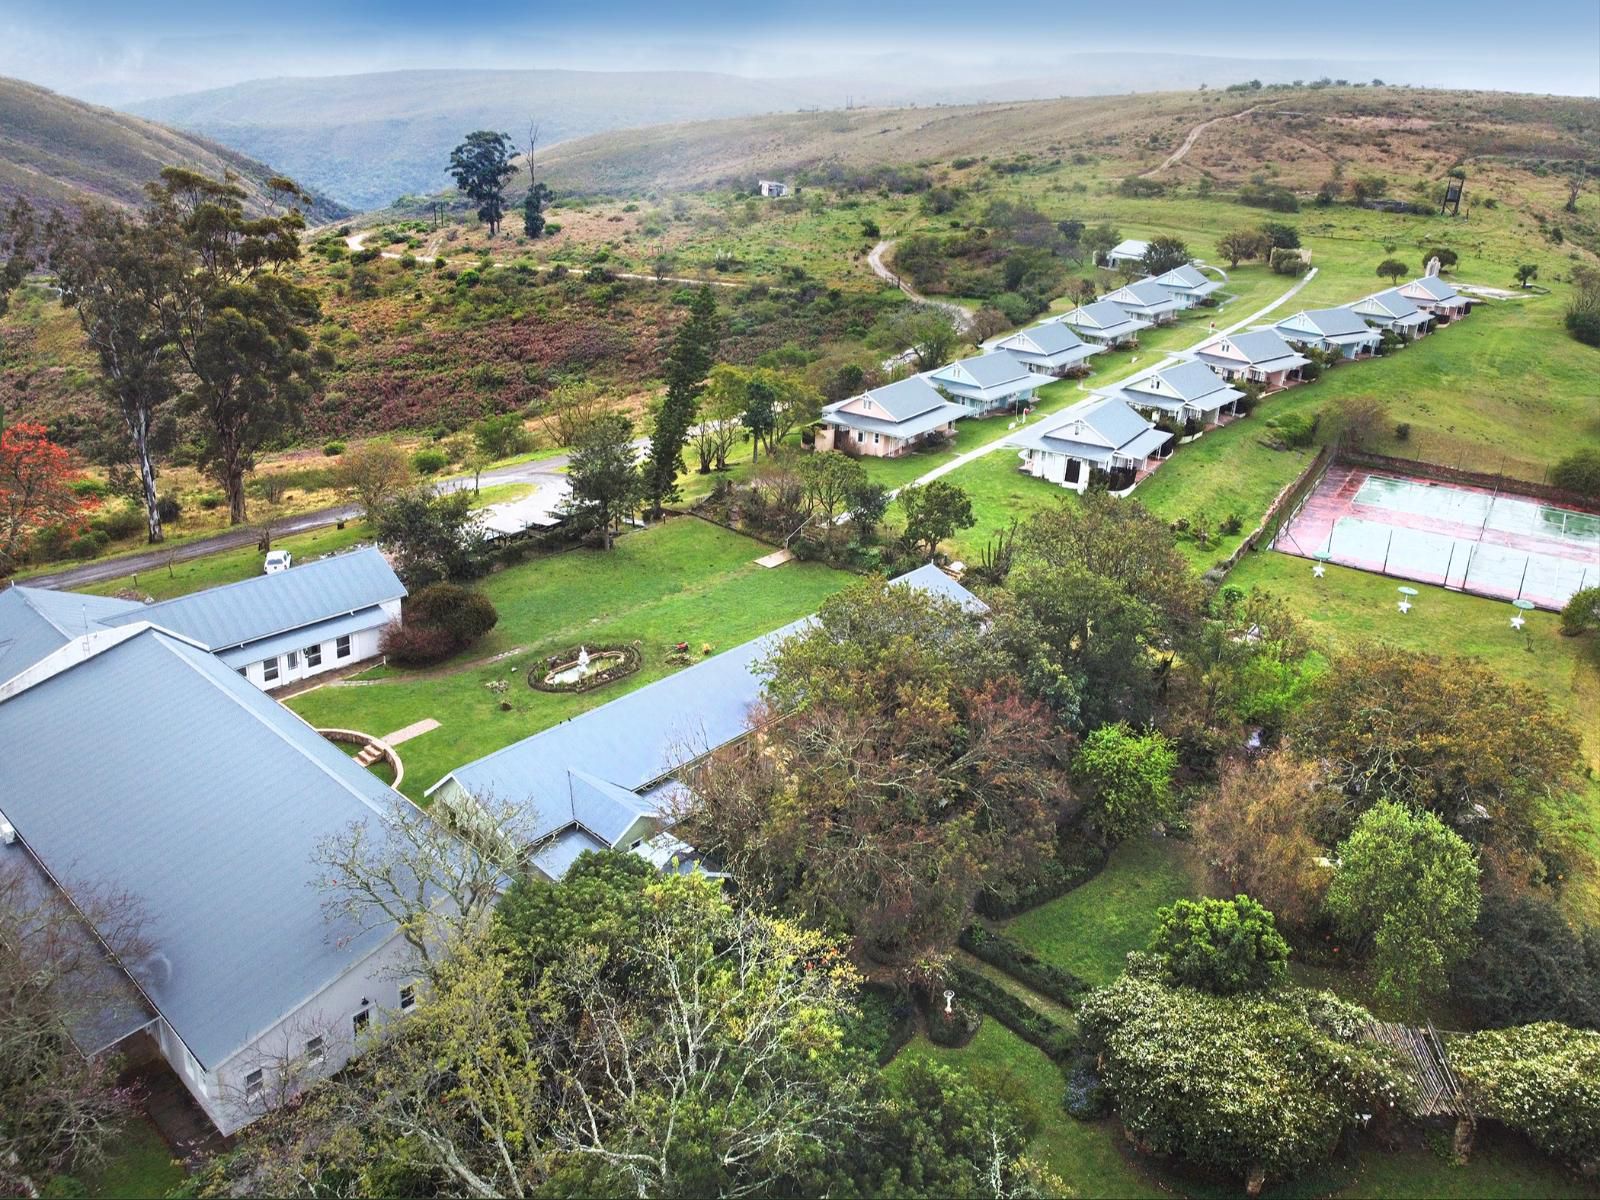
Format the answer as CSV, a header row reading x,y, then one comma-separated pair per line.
x,y
277,560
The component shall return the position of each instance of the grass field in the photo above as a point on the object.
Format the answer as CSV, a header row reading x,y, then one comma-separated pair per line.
x,y
140,1164
682,581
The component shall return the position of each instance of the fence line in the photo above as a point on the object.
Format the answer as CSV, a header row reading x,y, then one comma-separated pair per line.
x,y
1278,513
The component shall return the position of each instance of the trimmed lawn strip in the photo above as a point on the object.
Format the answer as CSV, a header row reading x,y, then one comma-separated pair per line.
x,y
683,581
230,566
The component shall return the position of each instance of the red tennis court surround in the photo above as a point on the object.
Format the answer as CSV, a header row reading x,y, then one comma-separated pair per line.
x,y
1491,543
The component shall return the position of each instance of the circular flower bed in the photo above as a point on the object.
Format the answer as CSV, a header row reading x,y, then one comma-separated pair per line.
x,y
559,672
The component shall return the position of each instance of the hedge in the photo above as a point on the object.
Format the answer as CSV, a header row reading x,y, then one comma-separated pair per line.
x,y
1018,961
1076,861
1055,1040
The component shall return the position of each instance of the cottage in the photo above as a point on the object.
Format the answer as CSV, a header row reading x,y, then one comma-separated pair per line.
x,y
1101,434
136,763
1329,330
607,779
1188,285
1392,310
1436,298
1190,394
888,421
1050,349
1129,250
771,188
1147,300
1260,356
1104,324
987,382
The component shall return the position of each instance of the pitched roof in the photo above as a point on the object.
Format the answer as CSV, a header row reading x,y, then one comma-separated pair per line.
x,y
1145,295
35,622
239,613
1186,383
947,411
1050,338
1130,248
1104,317
150,767
1187,278
1329,322
904,399
587,770
1259,347
1432,286
995,369
1391,303
1093,429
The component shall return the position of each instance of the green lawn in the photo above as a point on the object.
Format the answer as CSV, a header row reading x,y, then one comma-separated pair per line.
x,y
1090,930
140,1163
682,581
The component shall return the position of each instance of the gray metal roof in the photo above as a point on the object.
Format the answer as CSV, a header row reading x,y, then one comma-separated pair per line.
x,y
910,427
306,635
35,622
1143,295
1104,317
1109,426
1329,322
1435,287
588,769
265,605
1130,247
993,371
1053,338
906,398
1391,303
152,768
1188,278
1259,346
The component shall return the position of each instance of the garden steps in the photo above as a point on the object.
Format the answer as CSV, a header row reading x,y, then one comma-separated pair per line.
x,y
1043,1005
370,753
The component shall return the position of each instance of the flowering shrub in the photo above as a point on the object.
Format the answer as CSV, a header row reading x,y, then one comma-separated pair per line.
x,y
1268,1081
1543,1079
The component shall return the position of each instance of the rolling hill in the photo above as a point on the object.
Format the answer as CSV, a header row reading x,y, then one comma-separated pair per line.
x,y
54,149
1293,137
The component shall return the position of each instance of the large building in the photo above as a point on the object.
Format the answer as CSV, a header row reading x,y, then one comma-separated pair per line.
x,y
137,763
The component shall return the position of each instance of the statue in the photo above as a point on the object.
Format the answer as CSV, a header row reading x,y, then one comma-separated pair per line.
x,y
583,660
1433,266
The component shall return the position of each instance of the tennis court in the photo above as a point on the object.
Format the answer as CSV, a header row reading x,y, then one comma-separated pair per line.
x,y
1490,543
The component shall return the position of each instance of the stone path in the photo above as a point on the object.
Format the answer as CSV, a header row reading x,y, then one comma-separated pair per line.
x,y
415,729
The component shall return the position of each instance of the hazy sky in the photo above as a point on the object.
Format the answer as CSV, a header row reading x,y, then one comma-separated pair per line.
x,y
117,50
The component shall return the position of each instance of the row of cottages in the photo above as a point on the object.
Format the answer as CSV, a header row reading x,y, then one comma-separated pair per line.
x,y
139,765
1331,330
610,778
1100,434
888,421
1190,395
272,629
1260,356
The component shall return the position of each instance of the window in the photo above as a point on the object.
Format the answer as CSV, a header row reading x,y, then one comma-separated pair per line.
x,y
254,1086
341,648
361,1020
876,439
314,655
245,671
408,997
316,1051
269,670
294,659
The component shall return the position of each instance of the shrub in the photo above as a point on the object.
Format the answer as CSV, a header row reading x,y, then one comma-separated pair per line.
x,y
955,1028
1268,1082
1017,960
1286,262
416,645
1128,778
1220,946
1033,1027
430,460
1076,860
462,612
1585,326
883,1025
90,488
1086,1098
1582,613
333,449
83,547
169,508
1543,1079
119,523
1579,472
1529,965
1278,199
1402,431
211,500
1292,431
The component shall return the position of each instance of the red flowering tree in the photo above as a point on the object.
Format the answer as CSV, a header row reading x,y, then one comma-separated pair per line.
x,y
35,490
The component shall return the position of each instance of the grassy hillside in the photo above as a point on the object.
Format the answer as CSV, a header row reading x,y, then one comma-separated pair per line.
x,y
54,149
1289,136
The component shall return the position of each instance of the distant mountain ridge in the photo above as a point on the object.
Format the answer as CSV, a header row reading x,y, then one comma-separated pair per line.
x,y
367,139
56,150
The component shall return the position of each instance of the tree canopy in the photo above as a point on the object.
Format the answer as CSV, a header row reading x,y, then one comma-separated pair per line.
x,y
481,165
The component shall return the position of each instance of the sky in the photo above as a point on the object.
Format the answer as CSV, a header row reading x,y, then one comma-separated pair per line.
x,y
119,51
